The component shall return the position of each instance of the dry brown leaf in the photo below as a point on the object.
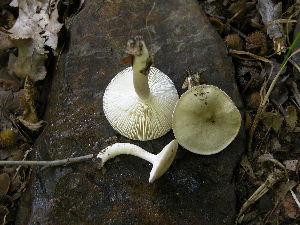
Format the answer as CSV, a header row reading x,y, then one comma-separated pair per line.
x,y
4,183
28,102
291,118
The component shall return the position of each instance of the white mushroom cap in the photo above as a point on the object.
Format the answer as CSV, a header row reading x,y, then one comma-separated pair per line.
x,y
205,120
163,160
136,118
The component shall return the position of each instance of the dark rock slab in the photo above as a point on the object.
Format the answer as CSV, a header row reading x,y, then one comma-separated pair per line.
x,y
196,189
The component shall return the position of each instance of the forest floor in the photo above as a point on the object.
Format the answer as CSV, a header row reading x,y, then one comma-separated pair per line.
x,y
262,38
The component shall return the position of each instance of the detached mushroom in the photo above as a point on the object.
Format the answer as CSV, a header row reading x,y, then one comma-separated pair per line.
x,y
139,101
161,162
205,120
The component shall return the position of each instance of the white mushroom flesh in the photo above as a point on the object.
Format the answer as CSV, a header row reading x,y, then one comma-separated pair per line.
x,y
161,162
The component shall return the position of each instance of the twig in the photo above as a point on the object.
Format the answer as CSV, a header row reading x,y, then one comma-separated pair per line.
x,y
48,163
19,167
281,21
264,188
251,55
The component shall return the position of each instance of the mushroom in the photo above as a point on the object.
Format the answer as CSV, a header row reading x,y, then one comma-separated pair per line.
x,y
161,162
205,120
139,101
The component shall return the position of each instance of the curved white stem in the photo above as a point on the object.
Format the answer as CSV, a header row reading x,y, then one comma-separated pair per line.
x,y
127,149
161,162
140,80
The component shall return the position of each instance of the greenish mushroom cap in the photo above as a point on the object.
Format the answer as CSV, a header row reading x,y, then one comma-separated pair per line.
x,y
205,120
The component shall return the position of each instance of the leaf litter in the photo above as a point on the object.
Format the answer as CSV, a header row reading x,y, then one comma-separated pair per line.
x,y
29,34
259,35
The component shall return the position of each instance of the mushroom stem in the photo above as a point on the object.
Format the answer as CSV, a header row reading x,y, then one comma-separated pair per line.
x,y
124,149
141,66
161,162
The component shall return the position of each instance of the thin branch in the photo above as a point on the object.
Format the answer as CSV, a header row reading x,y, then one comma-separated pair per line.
x,y
48,163
251,55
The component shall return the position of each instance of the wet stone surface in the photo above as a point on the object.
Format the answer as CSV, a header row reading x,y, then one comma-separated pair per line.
x,y
195,190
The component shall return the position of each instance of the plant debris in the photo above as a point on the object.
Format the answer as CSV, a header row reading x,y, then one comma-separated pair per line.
x,y
259,36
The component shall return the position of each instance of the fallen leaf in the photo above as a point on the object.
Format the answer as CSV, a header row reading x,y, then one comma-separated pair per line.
x,y
28,104
291,118
37,20
36,27
291,164
272,120
4,183
270,12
